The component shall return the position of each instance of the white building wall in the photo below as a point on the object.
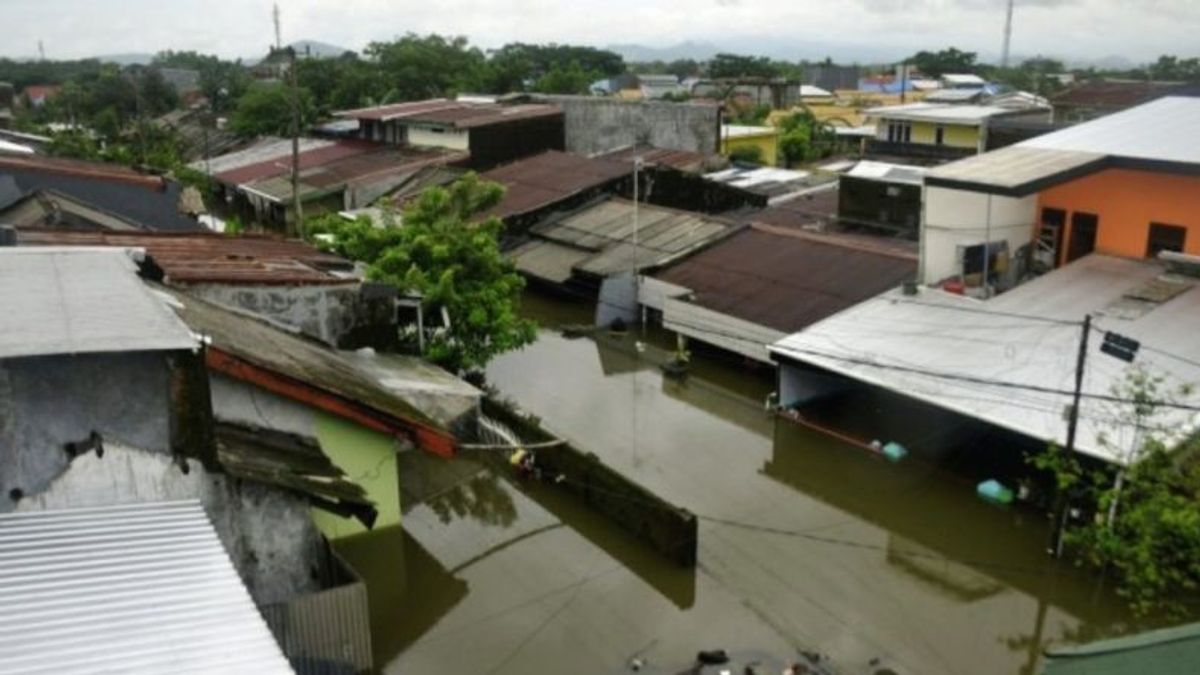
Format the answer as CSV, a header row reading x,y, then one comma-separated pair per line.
x,y
953,218
445,138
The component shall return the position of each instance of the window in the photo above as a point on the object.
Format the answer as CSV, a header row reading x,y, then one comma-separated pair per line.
x,y
939,136
1165,238
899,132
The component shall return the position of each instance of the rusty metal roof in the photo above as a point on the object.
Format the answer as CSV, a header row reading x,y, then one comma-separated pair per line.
x,y
684,160
787,280
457,114
543,180
1116,93
314,156
212,258
81,169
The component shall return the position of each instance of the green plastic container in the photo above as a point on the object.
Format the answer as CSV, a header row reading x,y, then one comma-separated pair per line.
x,y
994,491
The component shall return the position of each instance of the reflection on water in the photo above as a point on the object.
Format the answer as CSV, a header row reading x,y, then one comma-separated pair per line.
x,y
805,543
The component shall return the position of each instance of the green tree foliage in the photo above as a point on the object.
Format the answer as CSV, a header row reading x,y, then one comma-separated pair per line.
x,y
803,138
452,258
1034,75
1146,527
949,60
729,66
266,109
539,60
1169,67
681,68
343,83
569,79
428,66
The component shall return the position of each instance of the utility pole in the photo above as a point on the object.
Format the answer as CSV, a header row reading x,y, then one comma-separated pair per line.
x,y
275,16
1063,500
41,51
297,223
1007,35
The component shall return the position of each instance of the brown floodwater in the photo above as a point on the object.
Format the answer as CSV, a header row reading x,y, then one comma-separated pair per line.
x,y
806,543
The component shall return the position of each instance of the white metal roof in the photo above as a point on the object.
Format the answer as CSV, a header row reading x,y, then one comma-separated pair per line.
x,y
938,112
742,130
1015,166
15,148
142,588
908,343
811,90
888,172
963,79
1166,129
80,300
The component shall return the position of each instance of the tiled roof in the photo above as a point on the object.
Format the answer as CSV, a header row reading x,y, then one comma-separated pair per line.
x,y
213,258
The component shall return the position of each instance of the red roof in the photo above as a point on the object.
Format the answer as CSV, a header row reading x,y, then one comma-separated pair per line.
x,y
40,92
309,158
211,258
457,114
81,169
786,279
543,180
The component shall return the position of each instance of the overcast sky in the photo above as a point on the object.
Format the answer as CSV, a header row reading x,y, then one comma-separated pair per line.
x,y
1135,29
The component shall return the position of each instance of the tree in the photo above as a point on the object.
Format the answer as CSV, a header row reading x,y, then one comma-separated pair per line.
x,y
1146,529
949,60
733,66
1169,67
571,79
804,138
419,67
266,109
443,251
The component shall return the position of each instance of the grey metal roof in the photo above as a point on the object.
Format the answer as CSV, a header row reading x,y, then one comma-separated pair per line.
x,y
80,300
1166,130
1018,168
896,341
142,588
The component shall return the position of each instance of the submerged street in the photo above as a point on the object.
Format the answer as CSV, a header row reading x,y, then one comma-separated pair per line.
x,y
806,543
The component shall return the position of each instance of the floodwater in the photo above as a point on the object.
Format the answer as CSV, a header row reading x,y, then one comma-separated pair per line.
x,y
806,543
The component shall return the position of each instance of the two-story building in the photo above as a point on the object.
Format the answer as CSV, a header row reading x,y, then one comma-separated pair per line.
x,y
941,130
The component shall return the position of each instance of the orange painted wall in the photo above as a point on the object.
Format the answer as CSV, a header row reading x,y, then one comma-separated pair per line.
x,y
1127,202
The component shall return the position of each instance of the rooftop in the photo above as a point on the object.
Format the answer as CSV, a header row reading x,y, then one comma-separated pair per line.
x,y
747,131
888,172
1167,651
938,112
114,173
909,343
460,114
788,279
141,588
546,179
597,241
776,184
1164,133
187,258
80,301
1114,93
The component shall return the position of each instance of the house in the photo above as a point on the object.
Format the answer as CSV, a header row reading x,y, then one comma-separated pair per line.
x,y
581,249
1094,98
655,87
108,405
489,132
881,196
938,130
36,95
1123,185
1166,651
138,588
763,283
334,175
755,144
1105,212
153,202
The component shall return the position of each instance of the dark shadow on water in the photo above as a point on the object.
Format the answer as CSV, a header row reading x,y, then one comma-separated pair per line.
x,y
407,588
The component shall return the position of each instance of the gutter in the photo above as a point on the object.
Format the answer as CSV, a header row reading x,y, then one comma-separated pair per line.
x,y
426,436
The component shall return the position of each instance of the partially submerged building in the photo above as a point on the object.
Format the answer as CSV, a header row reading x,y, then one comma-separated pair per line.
x,y
940,130
749,143
882,197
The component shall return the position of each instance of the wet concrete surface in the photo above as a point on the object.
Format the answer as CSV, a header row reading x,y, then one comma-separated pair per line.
x,y
805,543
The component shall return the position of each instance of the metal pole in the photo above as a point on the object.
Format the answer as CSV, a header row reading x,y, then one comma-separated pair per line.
x,y
297,224
1072,425
987,246
637,179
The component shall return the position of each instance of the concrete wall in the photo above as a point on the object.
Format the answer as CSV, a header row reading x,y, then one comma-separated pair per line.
x,y
267,532
603,124
954,218
367,457
766,144
47,402
337,315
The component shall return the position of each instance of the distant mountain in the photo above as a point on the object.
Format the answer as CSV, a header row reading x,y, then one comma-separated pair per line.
x,y
777,48
684,50
130,59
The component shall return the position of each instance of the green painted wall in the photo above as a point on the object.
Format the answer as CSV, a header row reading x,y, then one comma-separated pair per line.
x,y
369,459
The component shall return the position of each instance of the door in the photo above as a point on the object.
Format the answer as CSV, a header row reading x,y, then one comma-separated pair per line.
x,y
1050,237
1083,235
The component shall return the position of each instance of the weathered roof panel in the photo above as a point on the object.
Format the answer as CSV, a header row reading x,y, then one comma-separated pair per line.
x,y
141,588
78,301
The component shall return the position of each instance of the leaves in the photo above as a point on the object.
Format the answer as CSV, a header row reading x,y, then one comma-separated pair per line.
x,y
442,250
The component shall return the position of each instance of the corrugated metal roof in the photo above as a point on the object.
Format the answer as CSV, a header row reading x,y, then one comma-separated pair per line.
x,y
143,588
972,115
1017,168
77,301
1113,93
1164,130
543,180
777,184
684,160
213,258
936,332
547,260
1167,651
462,114
335,175
115,173
788,280
265,150
311,155
888,172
